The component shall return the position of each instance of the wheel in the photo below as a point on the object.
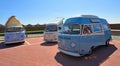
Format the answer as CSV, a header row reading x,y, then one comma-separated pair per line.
x,y
107,43
90,51
22,42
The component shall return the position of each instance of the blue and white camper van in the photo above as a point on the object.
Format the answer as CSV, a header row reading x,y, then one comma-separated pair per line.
x,y
14,34
79,35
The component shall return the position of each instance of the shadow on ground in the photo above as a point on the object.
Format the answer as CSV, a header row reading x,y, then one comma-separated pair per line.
x,y
99,55
4,46
48,43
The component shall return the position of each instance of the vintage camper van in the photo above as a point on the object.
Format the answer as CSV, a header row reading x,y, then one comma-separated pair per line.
x,y
51,32
52,29
80,35
14,31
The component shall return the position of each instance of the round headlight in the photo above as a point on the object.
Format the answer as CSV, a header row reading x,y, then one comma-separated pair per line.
x,y
55,37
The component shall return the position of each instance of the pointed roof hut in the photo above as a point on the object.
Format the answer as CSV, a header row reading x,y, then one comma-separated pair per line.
x,y
12,21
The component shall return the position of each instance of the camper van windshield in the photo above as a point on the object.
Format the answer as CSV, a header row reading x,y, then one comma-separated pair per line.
x,y
14,29
51,28
71,29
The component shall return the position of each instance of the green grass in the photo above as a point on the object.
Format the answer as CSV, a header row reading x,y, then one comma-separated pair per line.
x,y
35,31
28,32
1,33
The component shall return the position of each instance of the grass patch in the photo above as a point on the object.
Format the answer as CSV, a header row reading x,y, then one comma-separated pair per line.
x,y
28,32
34,32
1,34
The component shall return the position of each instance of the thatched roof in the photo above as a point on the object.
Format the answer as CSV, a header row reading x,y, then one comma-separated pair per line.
x,y
12,21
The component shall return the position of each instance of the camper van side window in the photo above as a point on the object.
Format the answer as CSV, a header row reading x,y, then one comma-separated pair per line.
x,y
87,29
106,27
97,28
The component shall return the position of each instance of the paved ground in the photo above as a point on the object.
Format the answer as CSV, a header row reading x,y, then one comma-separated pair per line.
x,y
35,52
116,37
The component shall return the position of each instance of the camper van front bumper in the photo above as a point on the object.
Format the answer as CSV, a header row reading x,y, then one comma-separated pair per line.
x,y
14,42
70,53
50,40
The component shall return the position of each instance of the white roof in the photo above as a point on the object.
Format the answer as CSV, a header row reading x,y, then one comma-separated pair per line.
x,y
57,20
90,16
86,16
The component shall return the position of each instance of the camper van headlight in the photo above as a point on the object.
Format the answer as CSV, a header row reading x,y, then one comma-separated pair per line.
x,y
72,44
22,36
55,37
7,37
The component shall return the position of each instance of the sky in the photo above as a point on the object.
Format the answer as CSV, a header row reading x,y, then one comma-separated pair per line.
x,y
43,11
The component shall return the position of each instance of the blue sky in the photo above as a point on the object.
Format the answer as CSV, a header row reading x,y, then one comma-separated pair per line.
x,y
43,11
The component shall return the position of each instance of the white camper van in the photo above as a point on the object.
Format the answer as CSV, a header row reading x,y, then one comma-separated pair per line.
x,y
52,29
14,31
51,32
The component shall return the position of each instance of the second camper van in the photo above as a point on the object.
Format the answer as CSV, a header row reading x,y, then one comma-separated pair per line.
x,y
52,29
51,33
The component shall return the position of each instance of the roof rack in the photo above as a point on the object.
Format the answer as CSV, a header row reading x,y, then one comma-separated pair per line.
x,y
85,16
89,16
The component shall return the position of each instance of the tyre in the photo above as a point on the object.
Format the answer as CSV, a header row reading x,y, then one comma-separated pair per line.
x,y
107,43
90,51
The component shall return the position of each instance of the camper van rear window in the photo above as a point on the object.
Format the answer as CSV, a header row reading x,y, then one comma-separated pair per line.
x,y
94,20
